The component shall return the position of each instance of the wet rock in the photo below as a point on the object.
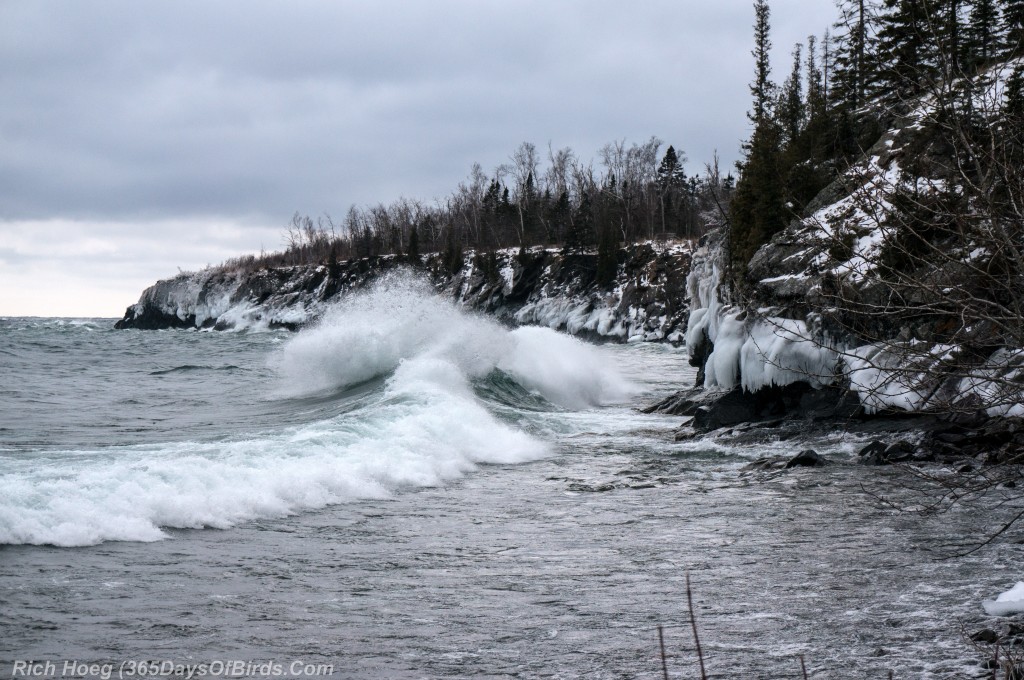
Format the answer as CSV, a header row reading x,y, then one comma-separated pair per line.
x,y
829,403
766,463
808,458
713,409
872,453
986,636
732,408
880,453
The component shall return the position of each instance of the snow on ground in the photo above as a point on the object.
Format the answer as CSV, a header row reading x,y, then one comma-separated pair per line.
x,y
229,299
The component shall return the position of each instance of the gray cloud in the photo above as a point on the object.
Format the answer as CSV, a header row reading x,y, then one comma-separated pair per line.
x,y
121,112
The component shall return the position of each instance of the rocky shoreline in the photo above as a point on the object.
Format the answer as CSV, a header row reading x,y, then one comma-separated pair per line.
x,y
644,301
798,412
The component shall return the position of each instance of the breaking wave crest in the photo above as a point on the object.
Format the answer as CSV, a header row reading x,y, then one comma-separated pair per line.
x,y
429,417
401,321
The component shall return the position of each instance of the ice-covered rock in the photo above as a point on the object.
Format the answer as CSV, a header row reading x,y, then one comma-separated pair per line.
x,y
537,287
754,349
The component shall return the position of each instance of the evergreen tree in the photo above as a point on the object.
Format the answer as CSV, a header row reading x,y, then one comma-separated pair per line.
x,y
980,36
1013,26
905,49
559,217
791,100
756,210
850,76
762,88
607,257
950,42
670,172
1013,106
671,179
816,104
412,250
581,231
529,217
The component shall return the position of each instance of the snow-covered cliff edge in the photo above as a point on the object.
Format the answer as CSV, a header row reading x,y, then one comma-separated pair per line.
x,y
540,287
901,281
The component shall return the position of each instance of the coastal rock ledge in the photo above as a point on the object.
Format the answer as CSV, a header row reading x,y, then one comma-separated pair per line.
x,y
644,301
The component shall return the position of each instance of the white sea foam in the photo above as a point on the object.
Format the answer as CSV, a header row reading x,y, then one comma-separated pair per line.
x,y
401,320
423,427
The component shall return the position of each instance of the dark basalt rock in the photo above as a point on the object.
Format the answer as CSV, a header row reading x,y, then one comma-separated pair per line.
x,y
652,282
713,409
808,458
152,319
986,636
881,453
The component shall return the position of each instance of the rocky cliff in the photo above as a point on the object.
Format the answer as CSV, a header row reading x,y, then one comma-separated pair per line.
x,y
892,296
539,286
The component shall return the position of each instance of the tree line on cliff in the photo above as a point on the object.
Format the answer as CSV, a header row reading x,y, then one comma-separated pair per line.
x,y
844,89
638,192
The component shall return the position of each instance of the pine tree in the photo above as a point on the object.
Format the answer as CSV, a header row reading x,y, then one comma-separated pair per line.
x,y
980,36
559,218
412,250
1013,26
791,101
762,88
850,75
905,49
1013,106
671,178
607,257
756,210
581,231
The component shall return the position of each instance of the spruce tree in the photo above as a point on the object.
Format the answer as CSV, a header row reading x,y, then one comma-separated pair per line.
x,y
607,257
905,49
762,88
1013,26
980,36
1013,104
756,210
850,75
559,212
671,179
581,231
670,172
412,250
791,101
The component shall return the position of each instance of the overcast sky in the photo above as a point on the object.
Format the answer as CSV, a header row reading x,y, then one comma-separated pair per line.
x,y
137,138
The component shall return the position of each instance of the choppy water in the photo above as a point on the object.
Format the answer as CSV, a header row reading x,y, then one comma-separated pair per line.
x,y
410,492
